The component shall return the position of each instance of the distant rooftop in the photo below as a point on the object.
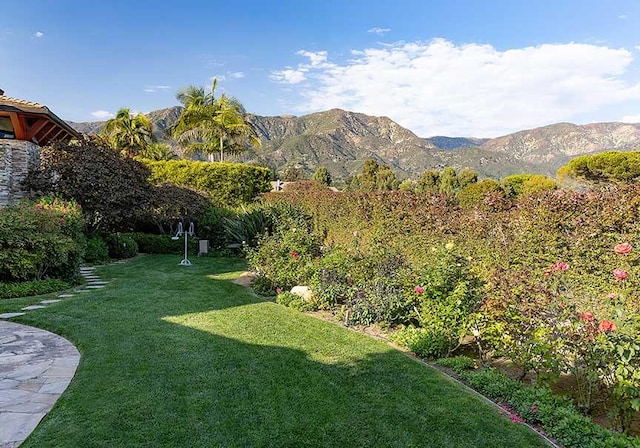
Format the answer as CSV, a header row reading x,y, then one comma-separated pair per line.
x,y
31,121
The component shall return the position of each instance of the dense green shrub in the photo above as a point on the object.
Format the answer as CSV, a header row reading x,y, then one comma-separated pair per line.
x,y
121,246
379,290
97,250
374,176
31,288
286,259
40,240
368,288
333,282
228,184
424,342
475,193
448,294
523,184
161,244
286,253
211,227
323,176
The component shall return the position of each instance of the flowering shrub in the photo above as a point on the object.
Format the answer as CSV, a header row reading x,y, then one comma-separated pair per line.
x,y
560,270
448,294
287,256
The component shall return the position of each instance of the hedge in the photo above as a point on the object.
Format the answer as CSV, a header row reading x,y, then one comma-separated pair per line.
x,y
228,184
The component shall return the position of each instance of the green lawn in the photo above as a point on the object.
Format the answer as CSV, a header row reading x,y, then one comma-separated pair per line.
x,y
181,357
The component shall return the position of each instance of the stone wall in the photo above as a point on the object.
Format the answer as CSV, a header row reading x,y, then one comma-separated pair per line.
x,y
17,157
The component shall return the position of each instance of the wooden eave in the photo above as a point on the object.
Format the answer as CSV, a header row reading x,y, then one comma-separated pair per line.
x,y
38,125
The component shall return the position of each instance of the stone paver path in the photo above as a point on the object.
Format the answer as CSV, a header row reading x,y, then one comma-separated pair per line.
x,y
36,366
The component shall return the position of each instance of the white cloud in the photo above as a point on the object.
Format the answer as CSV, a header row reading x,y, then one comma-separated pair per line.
x,y
236,75
379,31
623,17
38,34
289,76
316,59
150,90
102,114
439,88
162,87
630,119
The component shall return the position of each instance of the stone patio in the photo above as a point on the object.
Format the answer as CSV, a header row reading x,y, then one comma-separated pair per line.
x,y
36,366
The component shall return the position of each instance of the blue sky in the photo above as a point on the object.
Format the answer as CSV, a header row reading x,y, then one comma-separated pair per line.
x,y
459,68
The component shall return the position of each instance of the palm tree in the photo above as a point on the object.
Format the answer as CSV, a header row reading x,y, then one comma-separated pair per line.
x,y
208,124
129,134
158,151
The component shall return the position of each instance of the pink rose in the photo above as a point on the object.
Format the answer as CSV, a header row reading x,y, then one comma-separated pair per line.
x,y
612,296
419,290
560,266
607,326
622,249
620,274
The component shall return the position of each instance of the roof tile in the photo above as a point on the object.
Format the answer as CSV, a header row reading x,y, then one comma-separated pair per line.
x,y
7,100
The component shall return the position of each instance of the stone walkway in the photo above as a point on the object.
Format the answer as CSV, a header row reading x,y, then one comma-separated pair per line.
x,y
36,366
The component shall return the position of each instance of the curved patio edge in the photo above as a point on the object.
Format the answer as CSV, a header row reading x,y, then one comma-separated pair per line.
x,y
36,366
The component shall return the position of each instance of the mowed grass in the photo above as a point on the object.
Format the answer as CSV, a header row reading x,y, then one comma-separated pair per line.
x,y
181,357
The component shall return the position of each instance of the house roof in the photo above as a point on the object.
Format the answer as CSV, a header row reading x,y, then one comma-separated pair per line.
x,y
35,121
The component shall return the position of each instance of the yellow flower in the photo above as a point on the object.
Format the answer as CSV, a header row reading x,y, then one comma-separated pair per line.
x,y
449,245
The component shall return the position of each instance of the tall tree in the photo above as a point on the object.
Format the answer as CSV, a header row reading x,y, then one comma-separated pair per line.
x,y
322,175
129,134
209,125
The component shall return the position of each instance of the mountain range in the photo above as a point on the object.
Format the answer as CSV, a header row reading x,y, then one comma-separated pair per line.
x,y
342,140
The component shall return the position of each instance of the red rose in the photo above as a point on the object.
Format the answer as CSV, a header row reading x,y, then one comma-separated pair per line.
x,y
620,274
607,326
622,249
294,255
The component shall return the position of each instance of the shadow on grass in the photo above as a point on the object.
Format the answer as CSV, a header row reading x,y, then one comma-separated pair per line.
x,y
175,356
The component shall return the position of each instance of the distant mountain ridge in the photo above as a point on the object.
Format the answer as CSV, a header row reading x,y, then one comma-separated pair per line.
x,y
342,140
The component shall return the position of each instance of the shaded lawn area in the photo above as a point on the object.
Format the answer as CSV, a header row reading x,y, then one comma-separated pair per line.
x,y
180,356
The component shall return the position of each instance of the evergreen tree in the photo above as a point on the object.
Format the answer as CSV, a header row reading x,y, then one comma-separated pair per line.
x,y
449,181
322,175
